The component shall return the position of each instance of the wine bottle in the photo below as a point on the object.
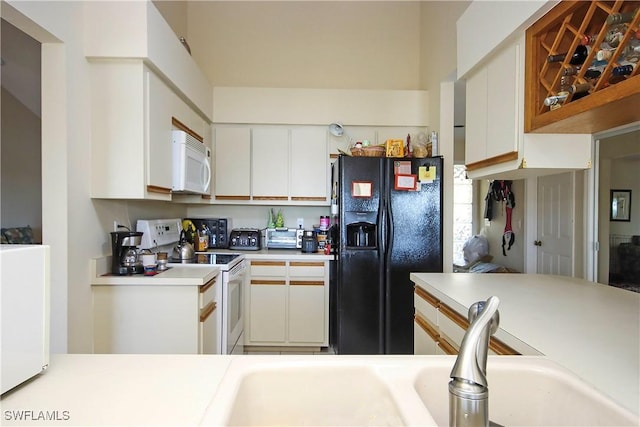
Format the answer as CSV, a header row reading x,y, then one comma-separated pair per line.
x,y
577,58
623,70
621,18
554,100
579,88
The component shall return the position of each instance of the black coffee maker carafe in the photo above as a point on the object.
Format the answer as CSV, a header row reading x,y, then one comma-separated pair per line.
x,y
124,245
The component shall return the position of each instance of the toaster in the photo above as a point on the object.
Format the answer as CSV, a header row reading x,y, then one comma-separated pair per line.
x,y
245,239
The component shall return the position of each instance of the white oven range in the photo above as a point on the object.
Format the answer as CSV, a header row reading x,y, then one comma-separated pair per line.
x,y
163,235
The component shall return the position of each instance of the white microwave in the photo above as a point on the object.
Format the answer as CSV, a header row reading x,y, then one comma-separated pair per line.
x,y
191,164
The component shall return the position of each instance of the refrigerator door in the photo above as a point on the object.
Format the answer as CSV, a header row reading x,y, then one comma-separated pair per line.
x,y
360,286
414,244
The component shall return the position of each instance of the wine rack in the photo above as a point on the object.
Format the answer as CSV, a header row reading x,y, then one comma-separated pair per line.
x,y
611,101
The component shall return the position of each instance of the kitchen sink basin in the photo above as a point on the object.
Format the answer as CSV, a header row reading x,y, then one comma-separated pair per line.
x,y
401,390
525,392
313,396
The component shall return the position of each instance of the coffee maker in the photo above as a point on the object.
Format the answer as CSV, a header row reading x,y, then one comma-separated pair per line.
x,y
124,245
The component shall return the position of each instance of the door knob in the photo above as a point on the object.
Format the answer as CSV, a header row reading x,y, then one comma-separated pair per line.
x,y
537,243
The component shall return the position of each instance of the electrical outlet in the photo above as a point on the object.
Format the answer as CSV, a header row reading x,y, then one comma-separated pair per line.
x,y
115,225
300,222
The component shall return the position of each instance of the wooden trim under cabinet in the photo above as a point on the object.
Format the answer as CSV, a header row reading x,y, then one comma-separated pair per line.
x,y
306,282
270,197
268,282
306,264
179,125
426,326
446,346
496,160
204,288
433,301
237,198
269,263
158,189
206,312
308,199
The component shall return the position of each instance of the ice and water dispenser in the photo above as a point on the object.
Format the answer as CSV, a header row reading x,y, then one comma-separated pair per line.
x,y
362,235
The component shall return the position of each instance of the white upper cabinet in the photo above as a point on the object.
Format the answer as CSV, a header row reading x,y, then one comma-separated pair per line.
x,y
232,157
309,168
133,114
495,143
270,163
137,30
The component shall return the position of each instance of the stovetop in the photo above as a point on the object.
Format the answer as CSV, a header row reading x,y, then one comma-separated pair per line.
x,y
225,261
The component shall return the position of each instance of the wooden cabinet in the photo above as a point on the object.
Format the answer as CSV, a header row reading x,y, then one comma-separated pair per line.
x,y
439,329
133,113
161,319
287,303
232,158
496,145
612,101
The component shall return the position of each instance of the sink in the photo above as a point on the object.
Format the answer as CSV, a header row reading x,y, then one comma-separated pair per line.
x,y
527,392
303,391
401,390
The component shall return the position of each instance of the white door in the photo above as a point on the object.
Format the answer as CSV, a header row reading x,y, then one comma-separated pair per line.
x,y
556,224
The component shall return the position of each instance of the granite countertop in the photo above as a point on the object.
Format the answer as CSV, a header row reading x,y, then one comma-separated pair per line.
x,y
589,328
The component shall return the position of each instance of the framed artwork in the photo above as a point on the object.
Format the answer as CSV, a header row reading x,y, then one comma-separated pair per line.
x,y
620,205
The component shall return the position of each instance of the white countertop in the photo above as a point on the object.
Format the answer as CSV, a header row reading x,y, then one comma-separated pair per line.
x,y
123,389
589,328
129,389
289,254
194,275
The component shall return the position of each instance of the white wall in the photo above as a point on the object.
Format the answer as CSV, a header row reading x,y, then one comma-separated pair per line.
x,y
337,45
20,170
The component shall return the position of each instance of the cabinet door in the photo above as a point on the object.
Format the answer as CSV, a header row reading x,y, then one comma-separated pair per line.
x,y
160,100
267,311
307,311
424,340
476,117
232,160
309,164
270,164
502,102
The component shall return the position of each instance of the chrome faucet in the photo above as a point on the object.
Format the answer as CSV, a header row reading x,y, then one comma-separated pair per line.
x,y
468,391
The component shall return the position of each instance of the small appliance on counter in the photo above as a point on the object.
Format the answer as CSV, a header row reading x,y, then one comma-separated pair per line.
x,y
125,260
245,239
218,230
309,242
283,238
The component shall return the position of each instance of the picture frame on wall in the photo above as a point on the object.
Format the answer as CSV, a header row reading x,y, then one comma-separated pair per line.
x,y
620,205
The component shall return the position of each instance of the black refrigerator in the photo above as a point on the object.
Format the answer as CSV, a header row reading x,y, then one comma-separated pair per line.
x,y
388,224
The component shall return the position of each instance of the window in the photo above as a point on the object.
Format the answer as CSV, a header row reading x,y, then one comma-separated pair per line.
x,y
462,212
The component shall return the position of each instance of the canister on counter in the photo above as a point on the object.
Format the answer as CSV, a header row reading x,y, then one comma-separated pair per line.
x,y
324,222
321,236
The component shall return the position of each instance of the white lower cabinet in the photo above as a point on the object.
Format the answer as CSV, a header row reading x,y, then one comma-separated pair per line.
x,y
160,319
287,303
438,329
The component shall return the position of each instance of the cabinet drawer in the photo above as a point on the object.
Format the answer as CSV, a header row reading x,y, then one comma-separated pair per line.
x,y
426,305
306,269
269,268
452,324
207,292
